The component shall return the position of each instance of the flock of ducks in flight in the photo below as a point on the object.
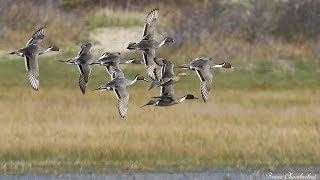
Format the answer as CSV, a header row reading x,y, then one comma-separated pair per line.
x,y
163,77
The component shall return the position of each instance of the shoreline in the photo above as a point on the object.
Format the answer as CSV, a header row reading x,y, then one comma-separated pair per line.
x,y
69,170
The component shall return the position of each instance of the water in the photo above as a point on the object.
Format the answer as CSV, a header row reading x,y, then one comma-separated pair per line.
x,y
134,176
212,174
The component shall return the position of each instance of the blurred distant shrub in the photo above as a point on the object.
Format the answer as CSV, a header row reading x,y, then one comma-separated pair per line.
x,y
251,20
278,28
298,20
127,4
254,20
115,18
273,28
19,19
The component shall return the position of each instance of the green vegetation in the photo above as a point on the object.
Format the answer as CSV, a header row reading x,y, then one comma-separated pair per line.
x,y
259,75
261,114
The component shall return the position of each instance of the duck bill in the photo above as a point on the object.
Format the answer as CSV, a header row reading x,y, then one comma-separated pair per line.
x,y
100,89
144,105
67,61
17,53
148,104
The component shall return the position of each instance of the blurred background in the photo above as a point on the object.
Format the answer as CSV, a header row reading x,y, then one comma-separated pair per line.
x,y
249,29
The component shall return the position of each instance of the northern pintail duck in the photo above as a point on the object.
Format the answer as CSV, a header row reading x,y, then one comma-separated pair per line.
x,y
167,75
119,86
148,44
202,66
31,53
111,61
167,97
148,41
83,60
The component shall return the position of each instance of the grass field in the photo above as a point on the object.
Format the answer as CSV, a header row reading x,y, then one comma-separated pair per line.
x,y
263,113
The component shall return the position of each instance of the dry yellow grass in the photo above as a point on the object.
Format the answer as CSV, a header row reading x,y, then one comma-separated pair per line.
x,y
238,128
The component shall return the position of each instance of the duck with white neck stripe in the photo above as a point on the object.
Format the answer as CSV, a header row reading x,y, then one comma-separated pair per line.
x,y
31,53
83,60
119,86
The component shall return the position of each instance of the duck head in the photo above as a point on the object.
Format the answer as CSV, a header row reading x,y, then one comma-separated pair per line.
x,y
227,65
166,40
190,96
223,65
55,48
132,46
141,78
87,45
52,48
169,40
